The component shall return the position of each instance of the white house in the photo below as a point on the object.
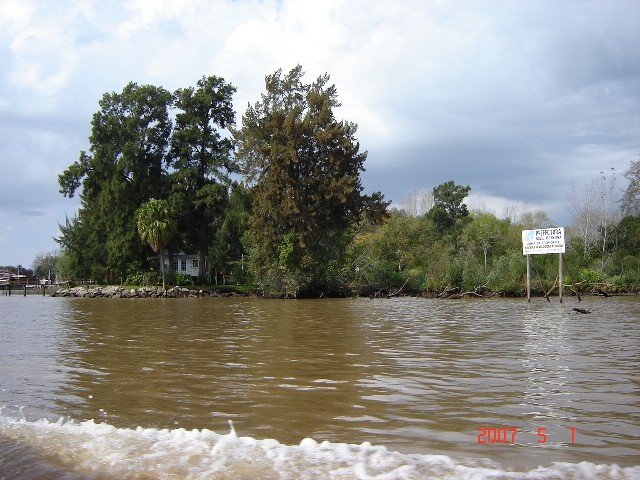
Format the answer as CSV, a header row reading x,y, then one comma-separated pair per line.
x,y
184,264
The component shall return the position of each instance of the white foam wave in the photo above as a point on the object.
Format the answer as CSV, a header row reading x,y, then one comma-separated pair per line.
x,y
100,450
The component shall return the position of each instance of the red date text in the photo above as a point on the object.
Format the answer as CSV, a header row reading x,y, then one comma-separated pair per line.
x,y
508,435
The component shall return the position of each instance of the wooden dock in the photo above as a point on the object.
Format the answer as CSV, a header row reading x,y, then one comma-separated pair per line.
x,y
21,284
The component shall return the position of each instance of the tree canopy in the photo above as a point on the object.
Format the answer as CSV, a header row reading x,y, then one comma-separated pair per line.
x,y
631,199
202,160
136,153
126,165
447,204
305,168
280,203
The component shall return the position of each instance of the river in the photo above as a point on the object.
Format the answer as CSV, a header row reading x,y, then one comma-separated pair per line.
x,y
235,388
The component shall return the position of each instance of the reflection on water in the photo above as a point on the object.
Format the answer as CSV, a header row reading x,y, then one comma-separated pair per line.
x,y
415,375
546,362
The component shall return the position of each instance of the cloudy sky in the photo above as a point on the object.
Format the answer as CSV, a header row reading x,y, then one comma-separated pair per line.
x,y
519,99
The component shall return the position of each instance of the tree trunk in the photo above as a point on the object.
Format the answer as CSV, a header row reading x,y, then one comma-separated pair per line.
x,y
202,255
171,272
162,268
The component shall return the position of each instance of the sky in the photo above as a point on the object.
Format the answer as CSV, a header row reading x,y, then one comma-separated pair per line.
x,y
518,99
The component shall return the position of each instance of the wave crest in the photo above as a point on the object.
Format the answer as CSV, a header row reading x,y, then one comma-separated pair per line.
x,y
99,450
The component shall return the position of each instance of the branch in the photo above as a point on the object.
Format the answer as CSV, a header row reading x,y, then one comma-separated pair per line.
x,y
474,293
399,290
555,283
447,291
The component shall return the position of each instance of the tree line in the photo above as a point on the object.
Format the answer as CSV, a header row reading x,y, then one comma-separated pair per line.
x,y
279,202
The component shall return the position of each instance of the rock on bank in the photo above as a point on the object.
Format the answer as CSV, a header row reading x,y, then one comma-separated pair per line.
x,y
113,291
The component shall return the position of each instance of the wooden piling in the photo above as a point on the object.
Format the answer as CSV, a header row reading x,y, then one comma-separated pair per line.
x,y
560,275
529,278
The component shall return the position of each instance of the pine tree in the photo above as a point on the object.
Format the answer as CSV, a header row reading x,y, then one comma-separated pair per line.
x,y
305,168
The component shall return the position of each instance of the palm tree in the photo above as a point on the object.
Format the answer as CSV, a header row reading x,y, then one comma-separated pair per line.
x,y
156,225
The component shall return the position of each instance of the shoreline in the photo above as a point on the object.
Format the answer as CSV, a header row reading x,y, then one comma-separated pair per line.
x,y
113,291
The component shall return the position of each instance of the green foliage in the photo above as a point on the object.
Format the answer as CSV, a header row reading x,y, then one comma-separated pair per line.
x,y
466,272
298,223
80,249
227,250
589,277
134,279
448,207
45,265
629,271
626,235
183,280
485,234
508,273
156,224
306,167
127,164
203,161
280,282
136,155
147,279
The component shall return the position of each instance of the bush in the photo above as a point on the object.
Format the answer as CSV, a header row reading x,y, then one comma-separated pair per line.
x,y
134,279
590,277
151,279
183,280
280,282
466,271
435,277
240,273
617,283
508,273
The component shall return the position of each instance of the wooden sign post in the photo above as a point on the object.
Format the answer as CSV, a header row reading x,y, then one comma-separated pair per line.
x,y
541,241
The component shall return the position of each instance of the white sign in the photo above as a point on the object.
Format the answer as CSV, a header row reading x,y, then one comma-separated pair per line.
x,y
543,240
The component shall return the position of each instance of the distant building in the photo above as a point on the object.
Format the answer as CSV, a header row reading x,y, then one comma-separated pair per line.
x,y
10,278
185,264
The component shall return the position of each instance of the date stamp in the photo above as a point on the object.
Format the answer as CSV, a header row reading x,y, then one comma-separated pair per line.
x,y
491,435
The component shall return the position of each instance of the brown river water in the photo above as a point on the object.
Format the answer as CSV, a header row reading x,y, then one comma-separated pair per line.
x,y
235,388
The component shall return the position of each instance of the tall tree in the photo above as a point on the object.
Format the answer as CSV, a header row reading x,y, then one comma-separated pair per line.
x,y
126,164
305,166
202,159
594,213
228,250
484,232
631,198
45,264
79,254
448,206
156,225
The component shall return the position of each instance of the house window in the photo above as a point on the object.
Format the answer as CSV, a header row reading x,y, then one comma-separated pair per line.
x,y
175,265
195,264
183,265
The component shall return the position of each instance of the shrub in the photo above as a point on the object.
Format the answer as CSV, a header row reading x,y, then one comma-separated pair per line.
x,y
183,280
590,277
508,273
280,282
151,279
133,279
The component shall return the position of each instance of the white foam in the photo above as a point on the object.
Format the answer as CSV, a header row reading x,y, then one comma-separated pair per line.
x,y
102,450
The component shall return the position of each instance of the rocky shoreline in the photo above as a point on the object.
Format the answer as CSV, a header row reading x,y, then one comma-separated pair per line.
x,y
113,291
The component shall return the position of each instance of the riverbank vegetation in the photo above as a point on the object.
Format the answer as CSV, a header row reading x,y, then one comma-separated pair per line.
x,y
278,203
